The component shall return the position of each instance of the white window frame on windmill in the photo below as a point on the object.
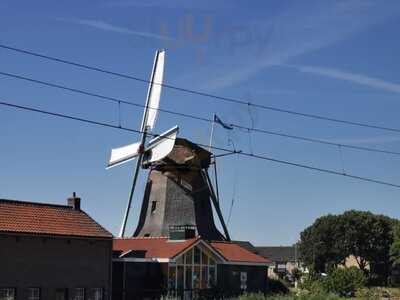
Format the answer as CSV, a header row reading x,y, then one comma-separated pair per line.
x,y
157,148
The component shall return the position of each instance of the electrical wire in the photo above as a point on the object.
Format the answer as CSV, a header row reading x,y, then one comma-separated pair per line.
x,y
199,118
199,93
250,155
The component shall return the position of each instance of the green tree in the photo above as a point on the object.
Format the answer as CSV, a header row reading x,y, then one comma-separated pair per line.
x,y
368,238
395,248
321,244
332,238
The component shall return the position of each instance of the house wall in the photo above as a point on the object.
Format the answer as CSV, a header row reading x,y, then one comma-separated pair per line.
x,y
229,281
135,280
289,267
351,261
51,263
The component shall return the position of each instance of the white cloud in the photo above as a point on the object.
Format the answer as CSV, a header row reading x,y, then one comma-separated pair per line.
x,y
101,25
351,77
373,140
297,30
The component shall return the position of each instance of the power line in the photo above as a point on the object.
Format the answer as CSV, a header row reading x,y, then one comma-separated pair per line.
x,y
199,93
199,118
106,98
251,155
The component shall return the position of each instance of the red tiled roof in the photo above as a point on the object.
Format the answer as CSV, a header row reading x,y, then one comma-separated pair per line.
x,y
49,219
234,253
154,247
161,247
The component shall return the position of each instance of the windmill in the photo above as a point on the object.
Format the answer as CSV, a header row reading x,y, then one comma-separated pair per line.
x,y
178,189
155,149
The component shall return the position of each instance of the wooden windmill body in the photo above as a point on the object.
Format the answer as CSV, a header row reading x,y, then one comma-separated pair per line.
x,y
178,195
179,190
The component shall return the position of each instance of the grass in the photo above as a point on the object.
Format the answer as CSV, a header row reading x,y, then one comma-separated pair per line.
x,y
289,297
364,294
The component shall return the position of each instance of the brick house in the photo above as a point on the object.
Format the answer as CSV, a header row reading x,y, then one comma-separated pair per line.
x,y
52,252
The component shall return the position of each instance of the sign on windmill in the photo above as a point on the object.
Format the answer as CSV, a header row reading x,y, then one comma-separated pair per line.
x,y
155,149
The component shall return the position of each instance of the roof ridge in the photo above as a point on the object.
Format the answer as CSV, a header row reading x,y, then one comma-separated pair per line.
x,y
45,218
24,202
140,238
275,246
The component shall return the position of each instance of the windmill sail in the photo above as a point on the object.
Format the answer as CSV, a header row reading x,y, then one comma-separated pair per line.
x,y
156,149
123,154
154,92
161,146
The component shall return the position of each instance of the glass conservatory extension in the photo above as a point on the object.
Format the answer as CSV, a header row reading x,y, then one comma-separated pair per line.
x,y
194,269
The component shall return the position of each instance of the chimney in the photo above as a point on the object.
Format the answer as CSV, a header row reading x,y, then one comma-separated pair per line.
x,y
74,202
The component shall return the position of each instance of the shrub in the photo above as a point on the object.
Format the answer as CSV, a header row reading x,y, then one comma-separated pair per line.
x,y
345,282
277,286
297,274
368,294
312,284
289,297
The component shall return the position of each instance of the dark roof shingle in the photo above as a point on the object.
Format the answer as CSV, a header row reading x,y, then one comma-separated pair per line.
x,y
49,219
278,253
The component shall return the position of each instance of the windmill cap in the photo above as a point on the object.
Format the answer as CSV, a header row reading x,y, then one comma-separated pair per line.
x,y
186,152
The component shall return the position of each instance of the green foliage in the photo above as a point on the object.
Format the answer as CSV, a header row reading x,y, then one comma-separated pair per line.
x,y
345,281
320,244
368,294
257,296
378,293
312,285
395,248
277,286
297,274
289,297
368,237
332,238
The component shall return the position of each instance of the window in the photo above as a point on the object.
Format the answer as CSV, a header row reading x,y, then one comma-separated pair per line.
x,y
7,294
212,278
189,257
195,269
34,293
197,256
172,277
196,277
204,277
188,276
153,206
61,294
243,280
97,294
180,277
79,294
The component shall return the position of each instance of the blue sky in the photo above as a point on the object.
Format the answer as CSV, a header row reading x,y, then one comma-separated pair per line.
x,y
334,58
